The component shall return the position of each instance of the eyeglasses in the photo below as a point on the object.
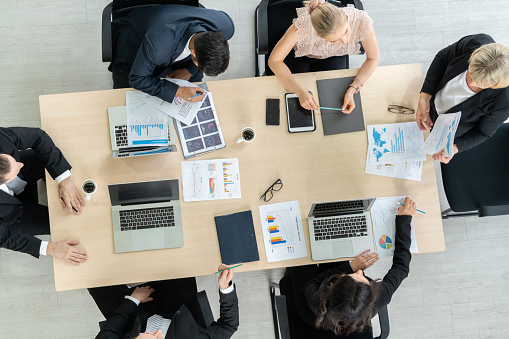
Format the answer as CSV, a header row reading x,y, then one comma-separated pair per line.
x,y
278,185
400,109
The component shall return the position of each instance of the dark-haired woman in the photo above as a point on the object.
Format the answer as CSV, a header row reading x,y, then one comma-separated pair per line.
x,y
341,299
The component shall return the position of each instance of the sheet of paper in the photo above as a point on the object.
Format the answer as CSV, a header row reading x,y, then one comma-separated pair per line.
x,y
283,234
410,170
394,143
211,179
442,134
383,213
146,126
179,109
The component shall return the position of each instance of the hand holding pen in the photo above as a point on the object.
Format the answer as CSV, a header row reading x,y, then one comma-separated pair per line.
x,y
226,275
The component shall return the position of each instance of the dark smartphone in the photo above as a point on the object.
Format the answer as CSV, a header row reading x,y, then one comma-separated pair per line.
x,y
272,112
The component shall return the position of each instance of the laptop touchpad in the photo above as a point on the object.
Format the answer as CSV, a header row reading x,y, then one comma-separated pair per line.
x,y
148,239
341,249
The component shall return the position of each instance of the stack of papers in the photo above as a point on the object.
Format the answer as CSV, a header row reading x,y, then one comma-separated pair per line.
x,y
442,135
394,150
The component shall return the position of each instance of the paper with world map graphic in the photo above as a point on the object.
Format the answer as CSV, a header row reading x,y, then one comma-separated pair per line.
x,y
442,134
394,143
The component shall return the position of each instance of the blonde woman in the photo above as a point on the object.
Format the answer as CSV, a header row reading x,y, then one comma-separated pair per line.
x,y
471,76
319,35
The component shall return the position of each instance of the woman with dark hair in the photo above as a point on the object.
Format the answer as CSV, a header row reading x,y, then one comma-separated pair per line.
x,y
341,299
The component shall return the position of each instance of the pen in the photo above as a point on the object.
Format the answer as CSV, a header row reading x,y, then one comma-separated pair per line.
x,y
194,96
335,109
415,209
75,210
229,268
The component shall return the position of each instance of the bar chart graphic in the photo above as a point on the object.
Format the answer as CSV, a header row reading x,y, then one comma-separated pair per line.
x,y
398,143
228,173
150,126
280,228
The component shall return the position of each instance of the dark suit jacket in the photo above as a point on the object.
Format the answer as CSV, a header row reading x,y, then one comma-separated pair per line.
x,y
315,286
483,113
151,38
128,321
11,209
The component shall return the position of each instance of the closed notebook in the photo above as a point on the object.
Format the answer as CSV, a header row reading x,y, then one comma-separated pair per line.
x,y
237,239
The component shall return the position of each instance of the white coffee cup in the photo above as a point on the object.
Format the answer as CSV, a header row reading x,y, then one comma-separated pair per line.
x,y
89,187
248,134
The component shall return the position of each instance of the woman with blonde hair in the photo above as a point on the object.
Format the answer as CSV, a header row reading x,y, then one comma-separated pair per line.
x,y
321,33
470,76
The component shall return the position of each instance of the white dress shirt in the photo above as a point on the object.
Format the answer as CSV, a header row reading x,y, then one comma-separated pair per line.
x,y
186,52
453,93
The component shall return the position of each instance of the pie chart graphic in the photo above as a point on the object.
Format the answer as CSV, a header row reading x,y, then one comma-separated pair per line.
x,y
385,242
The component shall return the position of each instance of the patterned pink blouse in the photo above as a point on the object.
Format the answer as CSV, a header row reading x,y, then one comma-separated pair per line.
x,y
311,45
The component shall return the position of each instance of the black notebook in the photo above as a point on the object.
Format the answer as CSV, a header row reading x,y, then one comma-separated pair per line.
x,y
237,239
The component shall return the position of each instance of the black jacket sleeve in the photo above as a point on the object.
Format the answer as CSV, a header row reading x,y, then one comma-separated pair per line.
x,y
17,241
120,322
400,262
228,321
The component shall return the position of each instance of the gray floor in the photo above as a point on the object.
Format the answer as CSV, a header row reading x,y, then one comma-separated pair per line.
x,y
53,46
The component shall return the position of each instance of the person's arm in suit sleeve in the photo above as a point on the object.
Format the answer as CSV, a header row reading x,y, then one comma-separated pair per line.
x,y
228,321
119,323
16,241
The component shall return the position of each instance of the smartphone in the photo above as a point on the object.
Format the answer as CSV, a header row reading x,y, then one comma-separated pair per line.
x,y
272,112
299,118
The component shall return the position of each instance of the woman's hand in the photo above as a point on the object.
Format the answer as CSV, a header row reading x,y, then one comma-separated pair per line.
x,y
440,156
422,114
348,102
409,207
307,100
364,260
225,277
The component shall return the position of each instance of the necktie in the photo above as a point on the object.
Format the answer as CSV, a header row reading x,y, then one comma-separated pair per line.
x,y
154,323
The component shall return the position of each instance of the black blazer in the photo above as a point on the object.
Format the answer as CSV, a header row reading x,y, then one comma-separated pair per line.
x,y
11,209
315,286
483,113
128,321
151,38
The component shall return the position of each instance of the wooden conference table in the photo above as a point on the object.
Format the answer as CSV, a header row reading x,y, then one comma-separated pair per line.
x,y
313,168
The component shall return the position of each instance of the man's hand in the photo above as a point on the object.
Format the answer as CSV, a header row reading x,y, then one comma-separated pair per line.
x,y
187,93
224,277
409,208
364,260
70,197
440,156
143,294
65,249
307,100
182,73
348,101
422,114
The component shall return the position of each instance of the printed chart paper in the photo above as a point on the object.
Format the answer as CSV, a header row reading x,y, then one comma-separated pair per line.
x,y
146,126
283,234
211,179
442,135
394,143
410,170
384,213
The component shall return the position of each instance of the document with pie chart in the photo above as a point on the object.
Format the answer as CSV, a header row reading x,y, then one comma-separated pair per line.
x,y
384,213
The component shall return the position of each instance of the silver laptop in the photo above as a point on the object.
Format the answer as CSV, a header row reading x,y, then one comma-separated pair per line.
x,y
146,215
118,133
340,229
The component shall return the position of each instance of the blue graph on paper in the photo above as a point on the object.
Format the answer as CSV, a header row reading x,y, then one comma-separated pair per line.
x,y
143,128
398,143
149,131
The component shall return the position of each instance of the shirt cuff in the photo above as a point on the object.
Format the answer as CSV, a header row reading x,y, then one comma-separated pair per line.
x,y
133,299
43,248
63,176
227,290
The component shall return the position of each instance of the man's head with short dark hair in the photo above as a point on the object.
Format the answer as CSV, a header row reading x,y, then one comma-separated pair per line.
x,y
212,53
5,168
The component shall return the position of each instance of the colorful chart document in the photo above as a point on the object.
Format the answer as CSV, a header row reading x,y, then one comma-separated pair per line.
x,y
283,234
384,213
146,126
442,135
394,143
211,179
410,170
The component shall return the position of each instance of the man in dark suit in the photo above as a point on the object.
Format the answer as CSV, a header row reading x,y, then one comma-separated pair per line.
x,y
168,309
24,154
471,76
172,41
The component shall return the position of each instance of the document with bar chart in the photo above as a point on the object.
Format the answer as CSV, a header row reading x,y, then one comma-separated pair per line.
x,y
394,143
283,234
442,135
211,179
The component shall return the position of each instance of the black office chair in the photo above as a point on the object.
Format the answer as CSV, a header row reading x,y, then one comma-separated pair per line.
x,y
272,19
475,181
119,8
289,325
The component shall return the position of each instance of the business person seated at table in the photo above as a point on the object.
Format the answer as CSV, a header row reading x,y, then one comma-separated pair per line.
x,y
341,299
24,154
172,41
166,309
315,41
471,76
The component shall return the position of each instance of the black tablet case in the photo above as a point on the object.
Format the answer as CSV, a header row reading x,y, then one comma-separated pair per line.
x,y
331,93
237,239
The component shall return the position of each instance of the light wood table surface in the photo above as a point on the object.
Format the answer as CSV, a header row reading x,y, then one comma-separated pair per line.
x,y
313,168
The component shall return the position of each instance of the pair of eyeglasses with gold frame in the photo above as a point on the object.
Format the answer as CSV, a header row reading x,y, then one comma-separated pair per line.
x,y
400,109
269,193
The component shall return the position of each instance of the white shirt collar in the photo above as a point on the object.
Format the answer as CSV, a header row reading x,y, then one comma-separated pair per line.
x,y
186,52
6,189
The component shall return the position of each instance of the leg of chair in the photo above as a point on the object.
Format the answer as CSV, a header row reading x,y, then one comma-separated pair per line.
x,y
274,311
449,213
383,316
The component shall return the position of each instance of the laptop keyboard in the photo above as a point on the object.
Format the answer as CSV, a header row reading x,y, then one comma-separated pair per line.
x,y
121,135
147,218
340,227
338,205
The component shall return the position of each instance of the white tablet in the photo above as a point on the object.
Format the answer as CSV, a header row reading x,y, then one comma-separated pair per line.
x,y
299,118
